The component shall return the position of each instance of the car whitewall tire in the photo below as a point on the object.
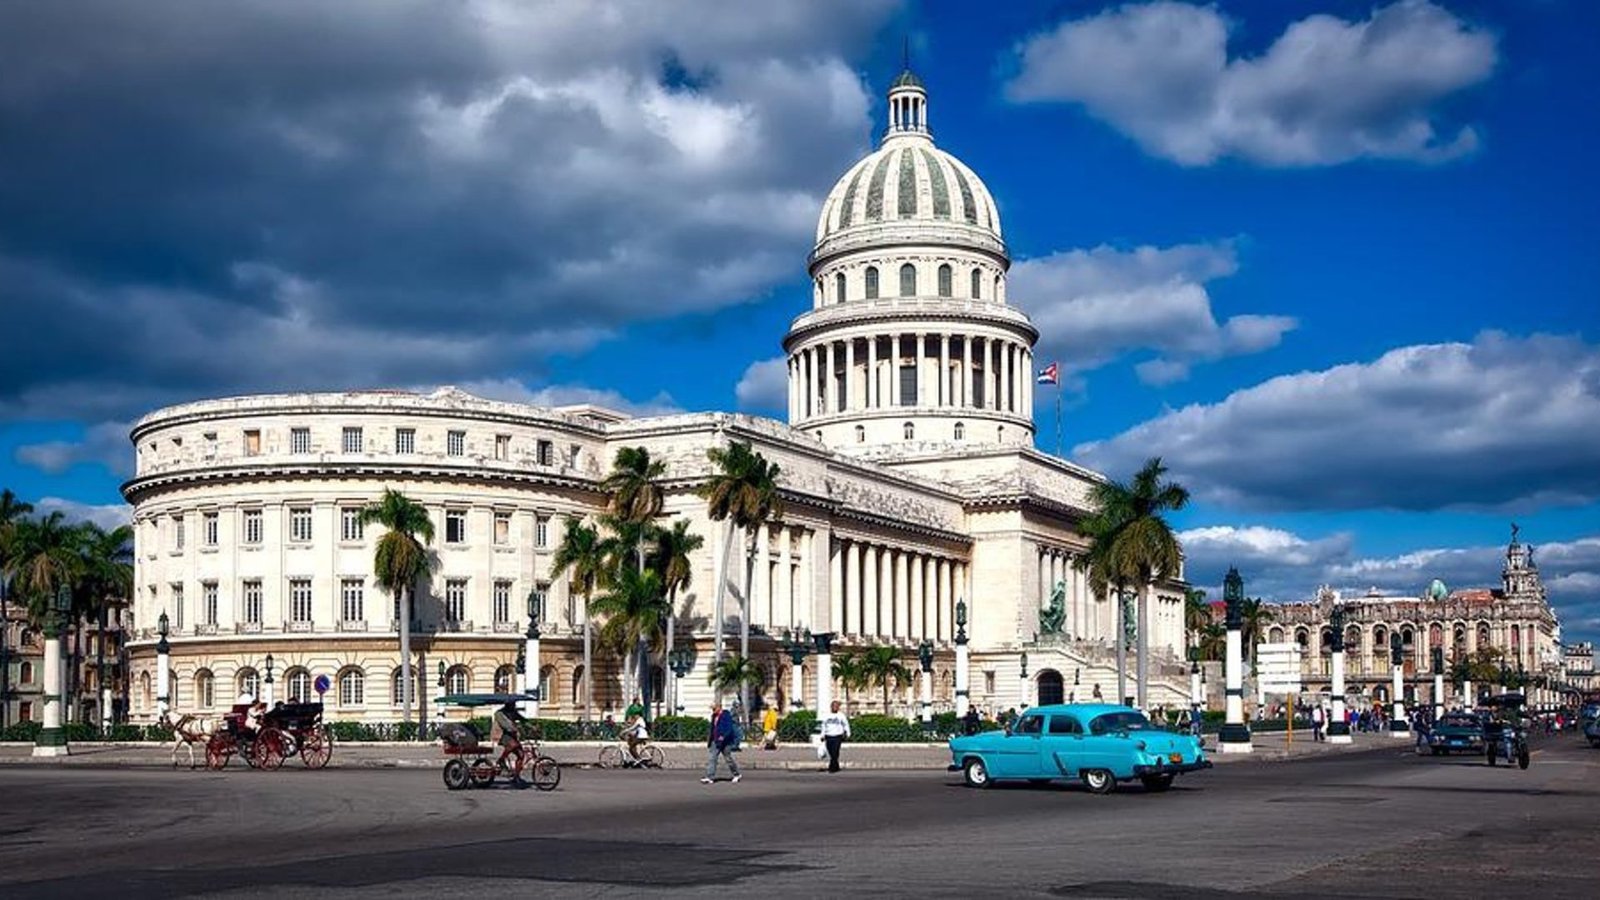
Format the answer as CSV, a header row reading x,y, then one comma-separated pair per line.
x,y
976,774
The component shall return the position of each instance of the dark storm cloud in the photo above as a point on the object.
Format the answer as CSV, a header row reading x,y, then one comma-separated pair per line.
x,y
260,195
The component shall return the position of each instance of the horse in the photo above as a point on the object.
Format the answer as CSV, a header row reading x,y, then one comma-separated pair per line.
x,y
188,731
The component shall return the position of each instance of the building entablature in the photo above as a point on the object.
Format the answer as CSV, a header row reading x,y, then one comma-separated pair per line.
x,y
915,315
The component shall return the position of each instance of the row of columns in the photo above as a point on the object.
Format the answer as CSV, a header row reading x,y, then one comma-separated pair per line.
x,y
1055,567
886,592
783,588
844,375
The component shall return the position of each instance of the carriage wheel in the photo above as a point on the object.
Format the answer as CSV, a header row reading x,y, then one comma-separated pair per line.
x,y
482,772
316,747
546,774
219,750
611,757
652,757
456,775
270,749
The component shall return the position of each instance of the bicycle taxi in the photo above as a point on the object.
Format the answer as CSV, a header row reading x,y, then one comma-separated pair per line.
x,y
473,762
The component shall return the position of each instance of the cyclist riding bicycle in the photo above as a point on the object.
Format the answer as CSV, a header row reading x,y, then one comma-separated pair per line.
x,y
505,726
634,731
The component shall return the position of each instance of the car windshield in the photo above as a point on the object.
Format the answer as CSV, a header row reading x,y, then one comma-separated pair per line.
x,y
1120,721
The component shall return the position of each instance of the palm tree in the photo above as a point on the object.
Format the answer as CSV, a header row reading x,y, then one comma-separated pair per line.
x,y
1106,580
43,559
106,566
880,666
634,494
744,492
636,608
1141,542
582,553
1196,615
397,562
1254,616
1212,641
847,670
11,511
735,673
671,560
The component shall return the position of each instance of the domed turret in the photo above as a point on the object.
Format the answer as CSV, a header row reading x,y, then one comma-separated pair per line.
x,y
910,340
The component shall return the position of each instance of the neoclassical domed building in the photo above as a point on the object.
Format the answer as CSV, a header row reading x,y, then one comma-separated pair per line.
x,y
909,476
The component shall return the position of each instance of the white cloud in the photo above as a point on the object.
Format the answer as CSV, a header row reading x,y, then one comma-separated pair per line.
x,y
513,391
105,444
1326,91
764,386
1500,423
1093,306
107,516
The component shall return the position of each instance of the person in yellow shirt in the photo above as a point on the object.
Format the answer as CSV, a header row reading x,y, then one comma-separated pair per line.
x,y
769,728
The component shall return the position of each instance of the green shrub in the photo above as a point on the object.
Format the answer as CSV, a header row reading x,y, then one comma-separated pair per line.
x,y
158,733
22,731
81,731
797,726
690,729
880,729
125,733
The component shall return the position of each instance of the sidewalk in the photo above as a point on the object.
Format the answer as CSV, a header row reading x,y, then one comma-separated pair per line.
x,y
790,757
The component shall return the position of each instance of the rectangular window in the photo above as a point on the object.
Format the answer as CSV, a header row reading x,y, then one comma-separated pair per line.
x,y
908,385
502,446
209,529
502,601
177,532
405,440
572,455
299,440
455,526
350,527
351,596
455,600
252,526
300,600
252,442
300,523
541,532
539,601
177,607
351,441
502,528
547,452
208,602
252,602
456,443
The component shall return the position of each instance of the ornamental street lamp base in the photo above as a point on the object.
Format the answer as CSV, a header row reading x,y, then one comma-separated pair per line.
x,y
1339,733
1400,729
1234,739
51,742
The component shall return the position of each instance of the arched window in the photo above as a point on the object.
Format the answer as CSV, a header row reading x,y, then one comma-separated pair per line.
x,y
820,295
577,686
1380,642
205,689
1302,637
961,432
352,687
861,434
505,679
1275,636
297,683
1484,640
248,681
872,282
838,288
909,430
1352,639
457,680
396,684
999,434
946,279
997,288
908,280
144,690
547,678
25,672
977,284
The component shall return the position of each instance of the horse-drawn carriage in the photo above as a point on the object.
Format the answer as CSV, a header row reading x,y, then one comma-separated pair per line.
x,y
288,729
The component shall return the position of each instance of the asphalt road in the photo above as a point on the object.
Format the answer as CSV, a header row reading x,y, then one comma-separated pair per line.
x,y
1383,823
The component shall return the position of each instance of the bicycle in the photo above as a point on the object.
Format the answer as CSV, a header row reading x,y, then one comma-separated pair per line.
x,y
616,756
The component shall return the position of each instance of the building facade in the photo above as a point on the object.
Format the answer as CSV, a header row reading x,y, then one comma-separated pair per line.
x,y
1514,621
908,474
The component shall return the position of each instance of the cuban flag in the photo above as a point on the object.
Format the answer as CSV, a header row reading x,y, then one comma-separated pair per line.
x,y
1048,374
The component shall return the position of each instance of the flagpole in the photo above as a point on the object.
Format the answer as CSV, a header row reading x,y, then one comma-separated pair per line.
x,y
1058,419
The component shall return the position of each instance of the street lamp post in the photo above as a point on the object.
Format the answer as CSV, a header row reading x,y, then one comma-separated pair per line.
x,y
680,661
1022,684
52,739
532,684
925,658
1235,734
963,659
163,661
270,694
824,645
1398,725
1438,682
1197,697
1338,719
798,645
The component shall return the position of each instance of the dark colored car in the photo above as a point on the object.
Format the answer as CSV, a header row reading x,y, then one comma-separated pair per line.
x,y
1591,730
1456,733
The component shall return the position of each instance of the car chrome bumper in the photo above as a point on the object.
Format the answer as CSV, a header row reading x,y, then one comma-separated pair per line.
x,y
1172,768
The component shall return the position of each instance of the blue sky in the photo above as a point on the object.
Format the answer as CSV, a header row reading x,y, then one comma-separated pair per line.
x,y
1336,262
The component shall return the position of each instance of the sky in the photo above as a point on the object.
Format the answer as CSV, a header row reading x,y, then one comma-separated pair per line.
x,y
1336,263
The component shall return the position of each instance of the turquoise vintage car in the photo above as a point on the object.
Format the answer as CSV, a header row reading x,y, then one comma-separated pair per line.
x,y
1100,744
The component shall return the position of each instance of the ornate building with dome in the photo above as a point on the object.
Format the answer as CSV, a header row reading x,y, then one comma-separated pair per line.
x,y
911,488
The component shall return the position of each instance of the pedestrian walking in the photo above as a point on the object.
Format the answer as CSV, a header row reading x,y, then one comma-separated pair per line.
x,y
835,728
769,729
724,738
1317,721
970,722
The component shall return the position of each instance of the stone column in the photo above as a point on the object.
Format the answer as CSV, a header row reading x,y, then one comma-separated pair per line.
x,y
1338,724
902,594
922,369
783,584
963,665
927,693
886,598
531,665
163,678
873,396
835,583
852,592
824,645
916,627
1235,736
1398,726
52,739
944,370
869,591
850,374
760,587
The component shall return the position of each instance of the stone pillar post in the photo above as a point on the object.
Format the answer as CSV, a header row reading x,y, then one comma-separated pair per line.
x,y
52,739
927,693
943,397
852,593
1197,698
872,373
1338,720
824,644
1398,725
797,683
1438,682
869,591
850,373
1235,736
963,663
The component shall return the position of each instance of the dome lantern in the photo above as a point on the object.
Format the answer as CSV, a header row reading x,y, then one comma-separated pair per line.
x,y
908,106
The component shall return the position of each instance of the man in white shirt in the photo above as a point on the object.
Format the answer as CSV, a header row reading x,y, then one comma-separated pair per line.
x,y
835,728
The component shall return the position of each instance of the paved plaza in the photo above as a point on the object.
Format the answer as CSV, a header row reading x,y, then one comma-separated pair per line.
x,y
1372,821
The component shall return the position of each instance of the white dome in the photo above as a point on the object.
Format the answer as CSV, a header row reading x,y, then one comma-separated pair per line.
x,y
908,179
